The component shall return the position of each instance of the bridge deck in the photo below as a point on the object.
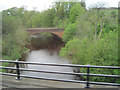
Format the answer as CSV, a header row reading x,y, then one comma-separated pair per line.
x,y
10,82
45,29
56,31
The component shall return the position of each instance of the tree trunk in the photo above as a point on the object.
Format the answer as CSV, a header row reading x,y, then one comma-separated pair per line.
x,y
100,29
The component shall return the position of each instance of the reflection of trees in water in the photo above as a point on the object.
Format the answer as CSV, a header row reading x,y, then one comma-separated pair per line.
x,y
47,41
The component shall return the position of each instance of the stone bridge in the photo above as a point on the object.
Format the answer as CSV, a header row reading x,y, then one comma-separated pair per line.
x,y
57,31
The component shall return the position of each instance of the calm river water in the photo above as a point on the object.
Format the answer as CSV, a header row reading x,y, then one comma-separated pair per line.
x,y
45,56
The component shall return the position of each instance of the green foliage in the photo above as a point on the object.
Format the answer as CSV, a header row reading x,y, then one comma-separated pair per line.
x,y
69,32
14,45
14,36
107,55
57,16
84,48
75,11
10,23
55,21
47,18
107,49
63,23
78,50
60,12
84,52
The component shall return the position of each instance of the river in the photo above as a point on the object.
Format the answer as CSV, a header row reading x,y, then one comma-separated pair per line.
x,y
47,55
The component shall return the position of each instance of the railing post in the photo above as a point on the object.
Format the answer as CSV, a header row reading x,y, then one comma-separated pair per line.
x,y
17,71
88,71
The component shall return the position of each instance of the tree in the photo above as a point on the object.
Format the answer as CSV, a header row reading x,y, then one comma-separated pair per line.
x,y
69,32
60,12
47,18
75,11
83,3
95,42
10,23
14,45
14,36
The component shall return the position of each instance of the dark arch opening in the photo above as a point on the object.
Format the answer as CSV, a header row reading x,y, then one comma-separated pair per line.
x,y
52,43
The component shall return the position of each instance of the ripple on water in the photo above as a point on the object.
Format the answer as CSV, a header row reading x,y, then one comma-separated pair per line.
x,y
43,56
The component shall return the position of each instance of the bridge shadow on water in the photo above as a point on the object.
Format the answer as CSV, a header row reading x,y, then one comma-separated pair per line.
x,y
45,49
51,43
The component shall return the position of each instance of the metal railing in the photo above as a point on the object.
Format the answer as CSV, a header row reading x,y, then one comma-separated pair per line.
x,y
87,82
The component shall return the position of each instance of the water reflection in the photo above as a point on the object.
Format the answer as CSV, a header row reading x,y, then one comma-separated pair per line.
x,y
44,49
47,41
43,56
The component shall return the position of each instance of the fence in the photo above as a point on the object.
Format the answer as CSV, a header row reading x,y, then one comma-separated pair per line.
x,y
87,82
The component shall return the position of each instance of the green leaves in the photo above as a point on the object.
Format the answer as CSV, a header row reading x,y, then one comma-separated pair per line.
x,y
84,52
75,11
69,32
13,44
82,48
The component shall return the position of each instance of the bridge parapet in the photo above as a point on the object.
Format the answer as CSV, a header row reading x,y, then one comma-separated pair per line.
x,y
46,29
56,31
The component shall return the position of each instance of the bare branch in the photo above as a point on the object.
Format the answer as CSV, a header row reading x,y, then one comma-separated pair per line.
x,y
100,30
91,21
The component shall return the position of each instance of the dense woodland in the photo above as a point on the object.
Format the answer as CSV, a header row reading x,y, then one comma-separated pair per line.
x,y
90,36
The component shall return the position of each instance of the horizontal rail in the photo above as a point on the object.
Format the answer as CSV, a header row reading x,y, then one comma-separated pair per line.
x,y
65,65
68,73
33,70
63,80
18,69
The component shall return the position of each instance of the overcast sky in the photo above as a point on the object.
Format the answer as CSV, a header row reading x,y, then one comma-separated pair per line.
x,y
45,4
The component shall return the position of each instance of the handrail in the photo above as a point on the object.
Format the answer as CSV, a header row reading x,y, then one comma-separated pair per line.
x,y
65,65
68,73
18,69
63,80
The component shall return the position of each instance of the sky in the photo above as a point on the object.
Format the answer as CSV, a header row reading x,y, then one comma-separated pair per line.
x,y
45,4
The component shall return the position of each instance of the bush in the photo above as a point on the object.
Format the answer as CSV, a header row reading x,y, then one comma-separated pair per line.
x,y
69,32
103,53
14,45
